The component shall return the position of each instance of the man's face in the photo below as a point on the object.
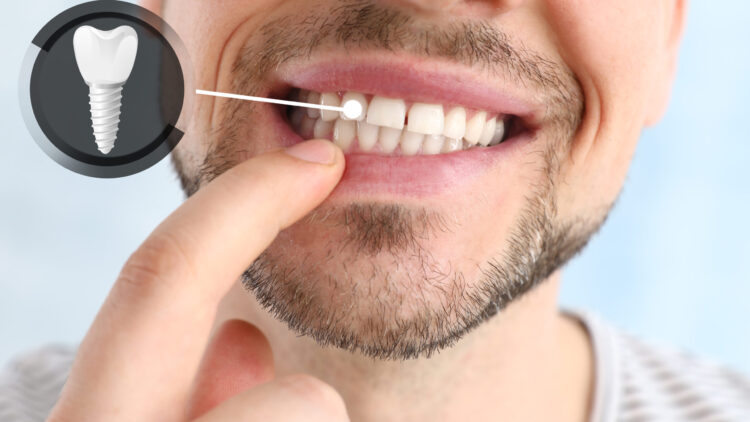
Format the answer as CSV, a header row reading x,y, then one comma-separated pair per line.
x,y
428,236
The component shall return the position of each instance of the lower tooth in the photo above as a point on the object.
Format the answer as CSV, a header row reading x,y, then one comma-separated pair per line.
x,y
344,132
452,145
367,135
433,144
322,129
389,139
411,142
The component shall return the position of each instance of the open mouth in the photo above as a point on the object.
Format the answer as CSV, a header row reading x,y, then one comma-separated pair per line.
x,y
427,129
394,126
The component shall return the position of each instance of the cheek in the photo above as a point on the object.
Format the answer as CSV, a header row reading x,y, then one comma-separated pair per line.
x,y
612,48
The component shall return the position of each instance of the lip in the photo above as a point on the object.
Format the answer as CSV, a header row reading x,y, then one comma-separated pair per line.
x,y
383,177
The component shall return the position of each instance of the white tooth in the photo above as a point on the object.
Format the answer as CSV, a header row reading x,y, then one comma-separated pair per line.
x,y
452,145
389,139
499,132
411,142
367,135
433,144
427,119
344,132
455,123
313,98
475,127
387,112
360,98
488,132
322,129
105,60
329,99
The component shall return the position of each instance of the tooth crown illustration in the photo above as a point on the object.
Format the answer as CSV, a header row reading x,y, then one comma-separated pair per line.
x,y
105,60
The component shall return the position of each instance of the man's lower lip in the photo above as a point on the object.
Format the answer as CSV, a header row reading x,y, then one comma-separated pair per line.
x,y
378,176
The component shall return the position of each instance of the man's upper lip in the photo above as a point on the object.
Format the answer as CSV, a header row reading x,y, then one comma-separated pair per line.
x,y
415,81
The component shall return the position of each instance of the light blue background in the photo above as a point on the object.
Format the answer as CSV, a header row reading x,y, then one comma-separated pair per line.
x,y
671,265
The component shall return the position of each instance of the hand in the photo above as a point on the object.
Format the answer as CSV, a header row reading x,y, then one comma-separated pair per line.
x,y
143,352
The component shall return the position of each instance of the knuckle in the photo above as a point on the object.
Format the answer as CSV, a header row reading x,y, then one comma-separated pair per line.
x,y
319,395
158,262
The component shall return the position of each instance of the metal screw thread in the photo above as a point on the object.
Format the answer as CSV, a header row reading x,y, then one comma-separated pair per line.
x,y
106,103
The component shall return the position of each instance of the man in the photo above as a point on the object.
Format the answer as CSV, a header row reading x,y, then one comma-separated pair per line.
x,y
414,275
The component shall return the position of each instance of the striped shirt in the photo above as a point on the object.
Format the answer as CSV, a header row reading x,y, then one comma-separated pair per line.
x,y
634,383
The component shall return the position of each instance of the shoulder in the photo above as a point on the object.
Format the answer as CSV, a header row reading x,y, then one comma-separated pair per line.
x,y
31,383
641,382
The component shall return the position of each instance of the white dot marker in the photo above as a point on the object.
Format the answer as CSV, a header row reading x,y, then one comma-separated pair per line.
x,y
352,109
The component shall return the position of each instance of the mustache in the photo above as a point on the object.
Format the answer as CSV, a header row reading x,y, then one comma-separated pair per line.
x,y
371,25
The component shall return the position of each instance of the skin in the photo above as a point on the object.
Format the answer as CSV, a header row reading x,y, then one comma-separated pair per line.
x,y
148,355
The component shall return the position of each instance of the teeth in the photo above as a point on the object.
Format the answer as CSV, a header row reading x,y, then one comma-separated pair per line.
x,y
499,133
329,99
344,132
488,132
367,135
475,127
387,112
385,126
455,123
433,144
389,139
452,145
360,98
411,142
313,98
426,119
322,129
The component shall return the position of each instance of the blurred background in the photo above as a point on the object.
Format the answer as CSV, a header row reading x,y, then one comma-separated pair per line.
x,y
672,265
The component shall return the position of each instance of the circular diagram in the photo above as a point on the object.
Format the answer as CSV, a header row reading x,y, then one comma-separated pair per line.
x,y
104,89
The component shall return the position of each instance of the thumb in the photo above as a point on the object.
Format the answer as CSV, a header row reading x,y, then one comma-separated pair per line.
x,y
237,359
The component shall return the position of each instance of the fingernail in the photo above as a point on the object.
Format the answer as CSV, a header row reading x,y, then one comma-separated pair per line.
x,y
315,151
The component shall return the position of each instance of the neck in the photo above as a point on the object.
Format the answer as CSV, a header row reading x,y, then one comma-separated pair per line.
x,y
528,363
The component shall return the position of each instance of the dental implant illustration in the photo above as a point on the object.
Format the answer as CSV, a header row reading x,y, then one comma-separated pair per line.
x,y
105,60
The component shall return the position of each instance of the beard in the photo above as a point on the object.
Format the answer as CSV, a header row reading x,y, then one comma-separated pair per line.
x,y
405,304
370,281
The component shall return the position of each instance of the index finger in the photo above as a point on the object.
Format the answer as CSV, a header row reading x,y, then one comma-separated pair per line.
x,y
138,360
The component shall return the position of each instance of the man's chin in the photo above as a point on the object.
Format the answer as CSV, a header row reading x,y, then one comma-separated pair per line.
x,y
392,282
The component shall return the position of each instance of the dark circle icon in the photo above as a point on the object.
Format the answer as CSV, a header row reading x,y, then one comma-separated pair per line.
x,y
105,89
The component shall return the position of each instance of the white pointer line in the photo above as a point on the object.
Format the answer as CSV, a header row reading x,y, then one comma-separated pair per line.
x,y
352,109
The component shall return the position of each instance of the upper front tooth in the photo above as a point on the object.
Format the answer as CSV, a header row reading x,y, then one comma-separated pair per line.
x,y
427,119
455,123
360,98
488,132
329,99
387,112
475,127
